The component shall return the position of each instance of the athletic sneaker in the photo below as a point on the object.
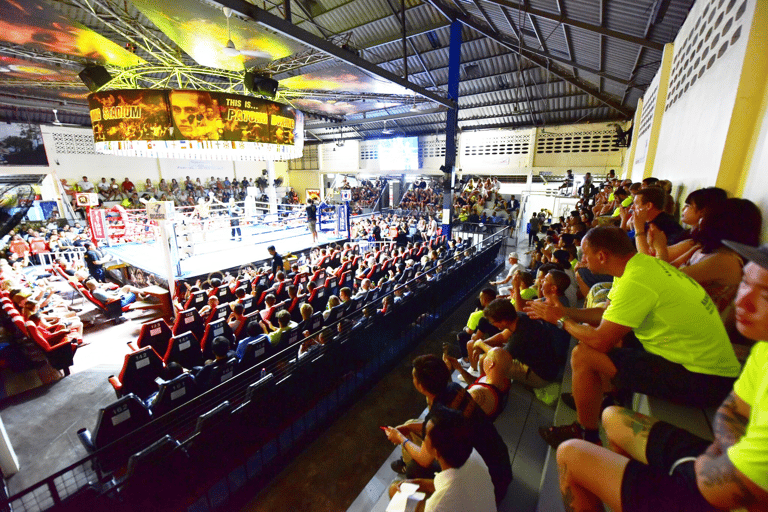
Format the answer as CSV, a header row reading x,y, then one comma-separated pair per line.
x,y
398,466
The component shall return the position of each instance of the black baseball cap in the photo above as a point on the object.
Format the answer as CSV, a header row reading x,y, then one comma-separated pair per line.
x,y
757,255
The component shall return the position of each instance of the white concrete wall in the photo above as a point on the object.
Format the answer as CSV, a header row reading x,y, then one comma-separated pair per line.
x,y
695,127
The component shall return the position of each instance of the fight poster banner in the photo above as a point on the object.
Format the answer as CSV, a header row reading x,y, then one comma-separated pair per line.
x,y
188,123
341,219
96,220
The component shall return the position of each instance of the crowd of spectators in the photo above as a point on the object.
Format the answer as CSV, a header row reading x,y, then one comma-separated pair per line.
x,y
422,197
24,244
667,310
364,195
481,202
184,193
393,227
664,305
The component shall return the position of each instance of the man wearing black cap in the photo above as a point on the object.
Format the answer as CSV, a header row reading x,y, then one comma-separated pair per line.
x,y
658,467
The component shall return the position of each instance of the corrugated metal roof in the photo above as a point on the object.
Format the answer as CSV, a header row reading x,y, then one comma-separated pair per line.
x,y
493,92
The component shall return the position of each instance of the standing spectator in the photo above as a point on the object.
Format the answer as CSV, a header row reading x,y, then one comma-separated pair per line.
x,y
312,219
95,262
534,225
277,260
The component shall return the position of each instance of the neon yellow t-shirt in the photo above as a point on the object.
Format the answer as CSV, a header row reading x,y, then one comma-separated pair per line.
x,y
625,203
474,319
672,316
527,294
750,454
611,197
574,262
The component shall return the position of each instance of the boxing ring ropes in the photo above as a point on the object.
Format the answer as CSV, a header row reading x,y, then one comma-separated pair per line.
x,y
213,230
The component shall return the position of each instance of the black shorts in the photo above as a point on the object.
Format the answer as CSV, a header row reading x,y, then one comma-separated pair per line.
x,y
642,372
651,488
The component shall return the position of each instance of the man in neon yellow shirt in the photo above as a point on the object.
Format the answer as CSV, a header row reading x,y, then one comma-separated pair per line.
x,y
623,200
486,296
671,469
684,354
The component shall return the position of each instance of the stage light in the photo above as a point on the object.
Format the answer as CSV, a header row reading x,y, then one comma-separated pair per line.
x,y
261,85
95,77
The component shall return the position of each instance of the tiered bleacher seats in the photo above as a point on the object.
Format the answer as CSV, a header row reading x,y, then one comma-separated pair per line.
x,y
197,300
220,373
155,476
249,305
318,299
225,294
255,350
220,313
59,352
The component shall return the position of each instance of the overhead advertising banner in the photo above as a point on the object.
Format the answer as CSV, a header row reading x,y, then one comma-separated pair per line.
x,y
194,124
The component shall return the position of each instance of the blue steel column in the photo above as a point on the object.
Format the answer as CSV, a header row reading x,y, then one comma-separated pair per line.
x,y
451,126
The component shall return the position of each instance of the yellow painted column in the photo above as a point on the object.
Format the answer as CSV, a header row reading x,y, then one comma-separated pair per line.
x,y
661,99
749,109
629,156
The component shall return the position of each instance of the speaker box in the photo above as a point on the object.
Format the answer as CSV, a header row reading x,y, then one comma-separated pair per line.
x,y
95,77
260,84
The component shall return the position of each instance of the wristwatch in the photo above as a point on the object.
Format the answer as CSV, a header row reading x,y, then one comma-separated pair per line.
x,y
561,322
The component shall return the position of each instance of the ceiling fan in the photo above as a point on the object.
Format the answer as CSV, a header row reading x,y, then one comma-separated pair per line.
x,y
56,121
231,50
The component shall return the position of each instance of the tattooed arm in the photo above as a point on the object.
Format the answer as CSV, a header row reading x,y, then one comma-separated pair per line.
x,y
730,424
719,481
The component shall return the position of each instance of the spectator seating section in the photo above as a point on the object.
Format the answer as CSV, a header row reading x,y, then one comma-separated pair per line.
x,y
197,300
114,421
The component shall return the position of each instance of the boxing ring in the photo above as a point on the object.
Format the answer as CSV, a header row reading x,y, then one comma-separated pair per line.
x,y
218,237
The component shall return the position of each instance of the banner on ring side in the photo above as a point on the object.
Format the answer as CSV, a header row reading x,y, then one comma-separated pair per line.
x,y
195,125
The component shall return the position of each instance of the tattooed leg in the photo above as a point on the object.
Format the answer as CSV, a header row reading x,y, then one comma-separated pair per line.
x,y
627,432
589,476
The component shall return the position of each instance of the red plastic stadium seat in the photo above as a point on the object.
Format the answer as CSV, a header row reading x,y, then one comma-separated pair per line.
x,y
140,369
59,351
189,321
155,334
